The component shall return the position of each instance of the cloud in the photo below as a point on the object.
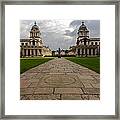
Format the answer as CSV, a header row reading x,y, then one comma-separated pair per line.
x,y
75,24
67,37
71,33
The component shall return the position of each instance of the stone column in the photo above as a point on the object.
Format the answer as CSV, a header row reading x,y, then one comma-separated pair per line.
x,y
92,51
23,52
29,43
88,42
38,53
88,51
33,52
80,51
84,51
26,52
76,51
30,52
96,51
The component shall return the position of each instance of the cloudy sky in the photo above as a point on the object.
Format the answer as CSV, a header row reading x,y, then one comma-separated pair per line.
x,y
59,33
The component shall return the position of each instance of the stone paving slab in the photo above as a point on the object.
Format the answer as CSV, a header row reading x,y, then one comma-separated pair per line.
x,y
26,97
71,97
26,91
90,97
87,85
43,91
91,91
68,91
46,97
60,79
24,83
96,85
33,85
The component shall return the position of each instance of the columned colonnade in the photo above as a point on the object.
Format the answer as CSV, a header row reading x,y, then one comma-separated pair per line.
x,y
25,52
88,51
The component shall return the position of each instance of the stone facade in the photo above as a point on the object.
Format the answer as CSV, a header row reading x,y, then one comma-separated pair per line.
x,y
86,46
33,46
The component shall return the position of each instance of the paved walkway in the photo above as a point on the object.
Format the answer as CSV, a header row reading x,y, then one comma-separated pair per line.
x,y
59,79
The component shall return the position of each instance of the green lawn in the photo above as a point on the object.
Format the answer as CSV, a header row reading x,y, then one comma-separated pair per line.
x,y
92,63
28,63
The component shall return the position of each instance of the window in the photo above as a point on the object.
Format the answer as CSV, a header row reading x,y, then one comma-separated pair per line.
x,y
26,44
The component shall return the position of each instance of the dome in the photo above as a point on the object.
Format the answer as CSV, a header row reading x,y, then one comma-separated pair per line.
x,y
35,32
83,27
35,26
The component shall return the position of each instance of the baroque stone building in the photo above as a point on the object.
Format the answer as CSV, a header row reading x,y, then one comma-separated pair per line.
x,y
86,46
33,46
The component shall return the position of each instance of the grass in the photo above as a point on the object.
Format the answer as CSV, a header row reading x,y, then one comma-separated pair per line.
x,y
92,63
28,63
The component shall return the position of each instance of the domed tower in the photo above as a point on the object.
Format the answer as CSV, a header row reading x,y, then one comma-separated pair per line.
x,y
35,35
83,34
83,31
35,32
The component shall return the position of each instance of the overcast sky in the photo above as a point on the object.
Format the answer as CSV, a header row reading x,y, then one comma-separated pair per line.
x,y
59,33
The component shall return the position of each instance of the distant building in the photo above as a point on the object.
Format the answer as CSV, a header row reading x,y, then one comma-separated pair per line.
x,y
86,46
33,46
62,52
56,52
